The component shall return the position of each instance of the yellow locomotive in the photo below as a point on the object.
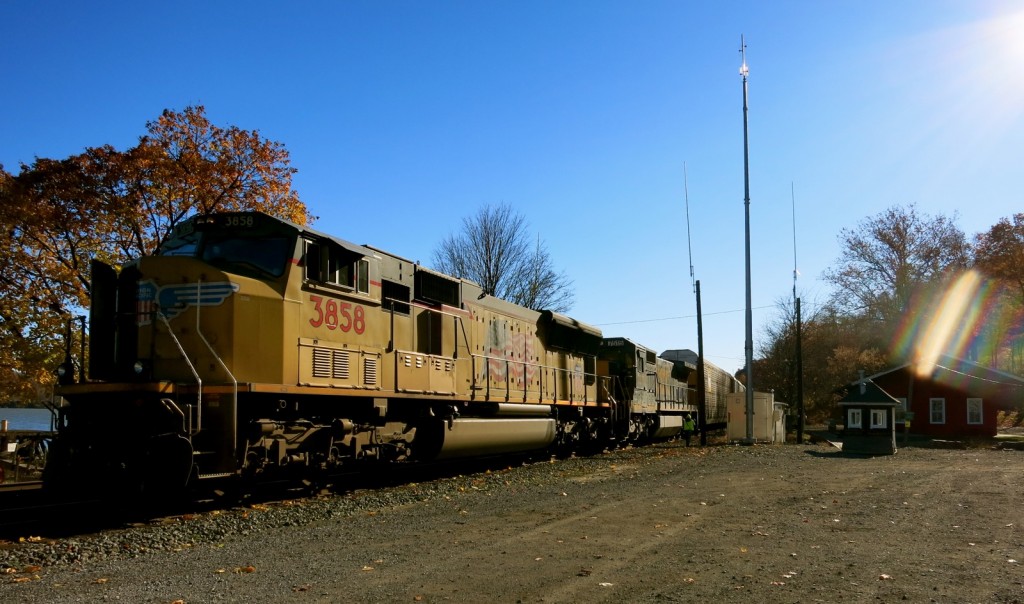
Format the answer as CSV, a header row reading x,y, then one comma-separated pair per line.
x,y
249,346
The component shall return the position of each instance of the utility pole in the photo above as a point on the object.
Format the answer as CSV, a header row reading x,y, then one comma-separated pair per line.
x,y
799,340
702,409
702,414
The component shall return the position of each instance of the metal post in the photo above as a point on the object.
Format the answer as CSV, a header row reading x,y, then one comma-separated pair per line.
x,y
702,406
81,357
799,380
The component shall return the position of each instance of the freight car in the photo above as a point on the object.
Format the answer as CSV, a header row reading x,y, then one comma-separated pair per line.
x,y
249,347
718,384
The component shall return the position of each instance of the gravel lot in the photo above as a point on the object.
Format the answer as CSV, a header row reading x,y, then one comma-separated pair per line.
x,y
784,523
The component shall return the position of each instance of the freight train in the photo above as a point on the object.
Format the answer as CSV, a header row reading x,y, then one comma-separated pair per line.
x,y
249,348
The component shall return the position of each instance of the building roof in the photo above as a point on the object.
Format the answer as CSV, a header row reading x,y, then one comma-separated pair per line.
x,y
866,391
948,368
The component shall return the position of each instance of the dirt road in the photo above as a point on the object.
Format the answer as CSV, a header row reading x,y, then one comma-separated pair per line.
x,y
785,523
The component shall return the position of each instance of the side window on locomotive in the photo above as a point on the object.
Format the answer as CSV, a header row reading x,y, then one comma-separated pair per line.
x,y
313,262
363,276
334,265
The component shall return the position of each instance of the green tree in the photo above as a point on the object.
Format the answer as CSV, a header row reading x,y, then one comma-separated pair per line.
x,y
56,215
493,249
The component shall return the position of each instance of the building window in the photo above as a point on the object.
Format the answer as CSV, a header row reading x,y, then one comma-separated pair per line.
x,y
879,418
937,407
974,411
853,418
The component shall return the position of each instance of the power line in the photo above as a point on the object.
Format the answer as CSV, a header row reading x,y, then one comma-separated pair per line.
x,y
721,312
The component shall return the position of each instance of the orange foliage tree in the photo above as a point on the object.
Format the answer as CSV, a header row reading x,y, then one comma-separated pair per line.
x,y
56,215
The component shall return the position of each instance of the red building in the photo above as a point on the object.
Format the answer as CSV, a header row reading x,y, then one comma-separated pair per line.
x,y
952,398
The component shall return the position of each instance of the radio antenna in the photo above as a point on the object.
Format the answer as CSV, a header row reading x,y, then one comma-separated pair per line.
x,y
796,272
689,245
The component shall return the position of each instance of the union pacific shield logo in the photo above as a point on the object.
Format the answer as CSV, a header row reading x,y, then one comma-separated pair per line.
x,y
172,300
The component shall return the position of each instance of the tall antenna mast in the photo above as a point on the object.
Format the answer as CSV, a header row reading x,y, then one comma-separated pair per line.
x,y
796,272
689,245
749,344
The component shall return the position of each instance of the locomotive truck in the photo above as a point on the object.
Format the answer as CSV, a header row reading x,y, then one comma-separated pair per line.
x,y
249,347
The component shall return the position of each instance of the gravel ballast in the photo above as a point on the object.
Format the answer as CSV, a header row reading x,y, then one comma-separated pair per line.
x,y
794,523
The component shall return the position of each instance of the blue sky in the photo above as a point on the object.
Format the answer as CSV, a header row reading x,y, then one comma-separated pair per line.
x,y
403,117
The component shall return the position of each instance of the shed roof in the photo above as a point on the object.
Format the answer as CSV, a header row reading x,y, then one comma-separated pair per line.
x,y
866,391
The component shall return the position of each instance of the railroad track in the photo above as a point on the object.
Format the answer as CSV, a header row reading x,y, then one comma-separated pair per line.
x,y
27,510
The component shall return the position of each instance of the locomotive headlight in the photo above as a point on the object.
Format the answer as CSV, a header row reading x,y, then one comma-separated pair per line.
x,y
62,371
138,367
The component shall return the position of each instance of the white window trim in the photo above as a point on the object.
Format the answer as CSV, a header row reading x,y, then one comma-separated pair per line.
x,y
932,409
850,413
981,412
881,414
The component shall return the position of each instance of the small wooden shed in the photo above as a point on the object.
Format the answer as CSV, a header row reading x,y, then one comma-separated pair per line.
x,y
869,419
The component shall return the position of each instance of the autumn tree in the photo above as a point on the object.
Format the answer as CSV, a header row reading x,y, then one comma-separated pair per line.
x,y
886,257
834,347
494,250
114,205
999,255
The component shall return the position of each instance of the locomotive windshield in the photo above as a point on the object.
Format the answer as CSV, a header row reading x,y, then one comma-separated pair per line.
x,y
237,247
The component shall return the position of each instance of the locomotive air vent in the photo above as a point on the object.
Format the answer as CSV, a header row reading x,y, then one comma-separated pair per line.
x,y
370,371
341,371
321,363
331,364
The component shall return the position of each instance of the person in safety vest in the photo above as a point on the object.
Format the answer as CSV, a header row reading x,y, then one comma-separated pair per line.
x,y
688,427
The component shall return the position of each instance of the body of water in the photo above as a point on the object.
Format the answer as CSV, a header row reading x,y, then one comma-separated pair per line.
x,y
26,419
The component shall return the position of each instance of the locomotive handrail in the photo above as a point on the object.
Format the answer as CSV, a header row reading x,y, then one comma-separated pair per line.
x,y
234,381
525,364
195,374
